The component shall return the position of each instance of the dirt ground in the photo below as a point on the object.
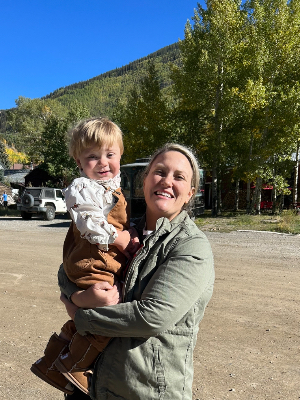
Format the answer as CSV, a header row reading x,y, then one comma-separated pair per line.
x,y
248,344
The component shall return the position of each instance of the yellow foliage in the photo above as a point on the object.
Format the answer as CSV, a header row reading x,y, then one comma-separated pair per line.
x,y
15,156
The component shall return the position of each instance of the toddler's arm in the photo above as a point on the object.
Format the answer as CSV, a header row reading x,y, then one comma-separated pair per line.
x,y
134,242
127,242
85,203
122,241
100,294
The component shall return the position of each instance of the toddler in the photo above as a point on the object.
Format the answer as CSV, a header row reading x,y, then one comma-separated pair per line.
x,y
97,246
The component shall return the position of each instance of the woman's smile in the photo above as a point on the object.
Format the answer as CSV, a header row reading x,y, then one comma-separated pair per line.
x,y
164,194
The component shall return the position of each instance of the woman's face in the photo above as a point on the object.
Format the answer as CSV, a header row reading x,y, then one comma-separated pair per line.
x,y
167,187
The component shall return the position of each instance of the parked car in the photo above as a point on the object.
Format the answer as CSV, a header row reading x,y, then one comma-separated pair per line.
x,y
132,186
41,200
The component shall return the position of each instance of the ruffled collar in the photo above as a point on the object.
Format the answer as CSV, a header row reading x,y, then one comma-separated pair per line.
x,y
111,184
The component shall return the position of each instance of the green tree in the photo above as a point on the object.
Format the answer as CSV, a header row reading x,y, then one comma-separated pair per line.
x,y
27,122
238,89
3,155
211,57
272,89
57,161
144,119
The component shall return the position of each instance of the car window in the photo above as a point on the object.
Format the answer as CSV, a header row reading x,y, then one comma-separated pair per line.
x,y
132,176
125,184
59,194
138,183
201,182
33,192
49,194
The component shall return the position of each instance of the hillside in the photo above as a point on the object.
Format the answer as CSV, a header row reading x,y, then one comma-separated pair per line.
x,y
101,93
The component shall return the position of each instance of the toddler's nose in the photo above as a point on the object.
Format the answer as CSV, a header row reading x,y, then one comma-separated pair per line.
x,y
102,161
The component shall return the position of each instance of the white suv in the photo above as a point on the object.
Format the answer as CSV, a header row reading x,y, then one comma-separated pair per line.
x,y
42,200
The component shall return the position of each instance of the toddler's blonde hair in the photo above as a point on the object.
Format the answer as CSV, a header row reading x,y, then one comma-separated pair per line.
x,y
94,132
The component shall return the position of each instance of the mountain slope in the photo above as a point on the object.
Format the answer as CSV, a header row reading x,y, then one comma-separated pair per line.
x,y
101,93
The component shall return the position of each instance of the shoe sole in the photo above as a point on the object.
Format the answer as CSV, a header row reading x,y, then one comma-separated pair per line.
x,y
40,375
62,369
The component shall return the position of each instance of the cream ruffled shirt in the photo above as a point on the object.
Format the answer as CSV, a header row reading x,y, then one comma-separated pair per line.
x,y
89,202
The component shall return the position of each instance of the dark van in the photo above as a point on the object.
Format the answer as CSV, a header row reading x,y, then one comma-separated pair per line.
x,y
132,185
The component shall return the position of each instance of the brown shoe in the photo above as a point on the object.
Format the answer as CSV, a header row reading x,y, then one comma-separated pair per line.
x,y
45,367
76,364
80,379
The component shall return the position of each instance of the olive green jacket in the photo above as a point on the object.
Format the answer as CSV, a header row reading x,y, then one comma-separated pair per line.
x,y
154,331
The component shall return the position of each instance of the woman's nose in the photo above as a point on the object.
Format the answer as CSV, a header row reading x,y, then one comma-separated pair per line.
x,y
167,181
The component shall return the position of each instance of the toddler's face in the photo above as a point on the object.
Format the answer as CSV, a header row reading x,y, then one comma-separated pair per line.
x,y
100,162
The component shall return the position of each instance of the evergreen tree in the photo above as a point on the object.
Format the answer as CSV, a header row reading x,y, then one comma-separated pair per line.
x,y
3,155
144,119
57,161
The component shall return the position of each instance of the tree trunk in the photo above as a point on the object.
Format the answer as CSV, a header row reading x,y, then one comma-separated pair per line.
x,y
296,176
274,193
236,195
214,193
258,194
274,196
248,207
219,186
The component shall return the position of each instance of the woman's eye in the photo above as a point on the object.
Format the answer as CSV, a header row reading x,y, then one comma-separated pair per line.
x,y
180,177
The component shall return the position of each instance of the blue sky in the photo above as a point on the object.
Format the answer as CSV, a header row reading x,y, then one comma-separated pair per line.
x,y
46,45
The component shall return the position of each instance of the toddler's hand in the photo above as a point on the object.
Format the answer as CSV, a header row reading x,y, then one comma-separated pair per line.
x,y
134,241
122,242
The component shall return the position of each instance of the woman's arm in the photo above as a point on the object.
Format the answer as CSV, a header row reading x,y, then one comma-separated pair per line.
x,y
186,277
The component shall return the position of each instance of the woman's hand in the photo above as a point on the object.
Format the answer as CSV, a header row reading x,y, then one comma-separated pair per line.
x,y
70,307
100,294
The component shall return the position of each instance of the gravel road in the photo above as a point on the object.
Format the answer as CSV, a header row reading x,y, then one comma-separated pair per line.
x,y
248,344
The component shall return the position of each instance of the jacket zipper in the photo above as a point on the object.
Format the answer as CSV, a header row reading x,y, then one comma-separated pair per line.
x,y
138,257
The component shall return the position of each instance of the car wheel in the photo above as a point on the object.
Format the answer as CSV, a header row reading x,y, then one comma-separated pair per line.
x,y
50,213
27,200
26,215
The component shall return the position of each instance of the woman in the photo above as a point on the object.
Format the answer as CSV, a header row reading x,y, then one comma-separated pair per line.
x,y
167,287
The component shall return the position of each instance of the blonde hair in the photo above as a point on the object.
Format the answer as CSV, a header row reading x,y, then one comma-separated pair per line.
x,y
92,132
193,162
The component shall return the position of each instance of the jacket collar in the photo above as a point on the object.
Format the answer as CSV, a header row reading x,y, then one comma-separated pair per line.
x,y
163,225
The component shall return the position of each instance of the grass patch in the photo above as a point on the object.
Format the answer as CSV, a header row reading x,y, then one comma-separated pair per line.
x,y
286,222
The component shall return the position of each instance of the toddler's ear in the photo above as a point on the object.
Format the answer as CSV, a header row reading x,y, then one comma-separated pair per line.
x,y
78,162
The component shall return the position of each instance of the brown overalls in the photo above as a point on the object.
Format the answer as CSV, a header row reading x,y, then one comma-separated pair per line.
x,y
86,265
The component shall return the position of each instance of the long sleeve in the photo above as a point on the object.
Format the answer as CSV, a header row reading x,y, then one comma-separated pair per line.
x,y
183,280
88,209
